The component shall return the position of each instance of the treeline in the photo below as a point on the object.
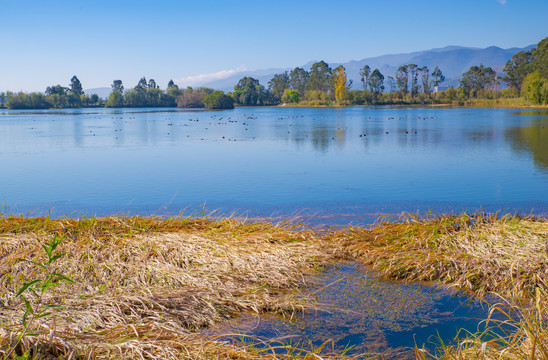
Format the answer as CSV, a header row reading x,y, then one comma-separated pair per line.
x,y
323,85
526,75
55,96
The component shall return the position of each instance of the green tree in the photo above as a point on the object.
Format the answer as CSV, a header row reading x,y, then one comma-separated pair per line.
x,y
517,69
56,89
437,78
298,79
364,75
402,80
425,78
76,86
320,77
413,70
278,84
376,83
117,86
218,100
171,85
152,84
248,91
541,57
478,79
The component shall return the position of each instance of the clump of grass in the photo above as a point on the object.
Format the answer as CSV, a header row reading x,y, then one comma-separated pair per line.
x,y
479,253
145,286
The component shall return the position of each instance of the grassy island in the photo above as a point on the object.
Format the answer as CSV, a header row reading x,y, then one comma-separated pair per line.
x,y
140,287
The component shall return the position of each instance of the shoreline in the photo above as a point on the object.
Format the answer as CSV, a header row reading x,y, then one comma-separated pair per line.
x,y
163,279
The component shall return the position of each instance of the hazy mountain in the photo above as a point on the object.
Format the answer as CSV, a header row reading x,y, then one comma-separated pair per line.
x,y
452,60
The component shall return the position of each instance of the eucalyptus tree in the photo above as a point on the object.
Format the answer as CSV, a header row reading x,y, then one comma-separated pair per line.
x,y
364,75
278,84
402,79
117,86
477,79
248,91
425,78
437,78
413,74
320,77
376,83
298,79
517,68
76,86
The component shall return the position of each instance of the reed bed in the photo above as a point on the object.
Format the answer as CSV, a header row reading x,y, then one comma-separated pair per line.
x,y
144,287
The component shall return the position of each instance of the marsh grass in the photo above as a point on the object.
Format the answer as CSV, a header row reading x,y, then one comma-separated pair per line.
x,y
145,286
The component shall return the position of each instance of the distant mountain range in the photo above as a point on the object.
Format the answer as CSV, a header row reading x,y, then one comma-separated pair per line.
x,y
452,60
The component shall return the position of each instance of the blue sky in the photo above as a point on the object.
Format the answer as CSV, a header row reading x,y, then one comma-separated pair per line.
x,y
46,42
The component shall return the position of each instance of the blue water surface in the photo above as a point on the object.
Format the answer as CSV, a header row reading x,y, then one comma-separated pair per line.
x,y
332,165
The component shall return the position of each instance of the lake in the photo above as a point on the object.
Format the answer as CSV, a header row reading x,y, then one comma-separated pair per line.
x,y
324,165
327,165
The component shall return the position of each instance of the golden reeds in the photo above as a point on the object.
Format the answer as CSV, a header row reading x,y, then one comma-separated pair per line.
x,y
143,286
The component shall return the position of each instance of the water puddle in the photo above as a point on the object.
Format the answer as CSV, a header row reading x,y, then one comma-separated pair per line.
x,y
365,315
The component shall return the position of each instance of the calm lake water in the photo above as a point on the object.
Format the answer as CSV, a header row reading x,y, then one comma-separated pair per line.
x,y
339,164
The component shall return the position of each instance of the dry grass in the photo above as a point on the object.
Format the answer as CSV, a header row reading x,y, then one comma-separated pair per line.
x,y
145,286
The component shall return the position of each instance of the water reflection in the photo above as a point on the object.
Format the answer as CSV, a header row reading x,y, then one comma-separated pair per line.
x,y
532,137
282,158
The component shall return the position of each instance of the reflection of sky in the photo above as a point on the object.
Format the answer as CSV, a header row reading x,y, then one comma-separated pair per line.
x,y
99,160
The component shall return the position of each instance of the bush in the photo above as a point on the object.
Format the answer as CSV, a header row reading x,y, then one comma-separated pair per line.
x,y
218,100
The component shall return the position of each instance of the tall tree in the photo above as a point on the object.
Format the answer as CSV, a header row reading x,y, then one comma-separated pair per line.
x,y
76,86
375,82
477,79
364,75
402,79
320,77
248,91
142,83
278,84
517,69
425,77
152,84
298,79
117,86
541,57
171,85
413,75
437,78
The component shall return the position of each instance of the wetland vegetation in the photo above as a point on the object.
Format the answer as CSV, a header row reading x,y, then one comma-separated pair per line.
x,y
143,287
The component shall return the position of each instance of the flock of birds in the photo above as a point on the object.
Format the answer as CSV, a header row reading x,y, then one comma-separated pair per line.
x,y
245,120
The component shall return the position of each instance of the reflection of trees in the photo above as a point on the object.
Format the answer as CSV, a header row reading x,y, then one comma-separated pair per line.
x,y
533,138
